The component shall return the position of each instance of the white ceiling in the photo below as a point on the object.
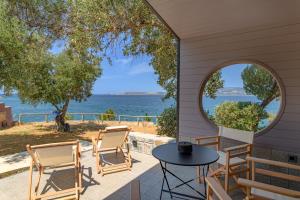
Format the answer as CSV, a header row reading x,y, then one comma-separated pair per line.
x,y
190,18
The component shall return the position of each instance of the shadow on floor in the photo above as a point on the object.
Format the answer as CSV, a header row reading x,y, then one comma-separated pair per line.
x,y
151,182
65,179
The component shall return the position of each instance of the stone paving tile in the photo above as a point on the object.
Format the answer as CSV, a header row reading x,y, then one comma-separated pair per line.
x,y
96,187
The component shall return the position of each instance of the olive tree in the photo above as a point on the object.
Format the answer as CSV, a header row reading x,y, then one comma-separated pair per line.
x,y
58,79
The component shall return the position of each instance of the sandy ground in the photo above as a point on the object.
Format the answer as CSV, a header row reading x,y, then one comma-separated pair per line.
x,y
15,139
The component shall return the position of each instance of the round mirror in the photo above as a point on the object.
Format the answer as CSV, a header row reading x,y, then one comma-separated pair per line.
x,y
242,96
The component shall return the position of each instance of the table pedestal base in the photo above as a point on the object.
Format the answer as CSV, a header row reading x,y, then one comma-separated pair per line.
x,y
174,194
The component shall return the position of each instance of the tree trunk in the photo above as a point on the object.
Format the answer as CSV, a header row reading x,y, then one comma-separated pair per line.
x,y
60,118
272,96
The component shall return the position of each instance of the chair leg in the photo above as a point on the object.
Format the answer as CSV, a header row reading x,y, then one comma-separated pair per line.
x,y
198,172
209,193
117,149
38,183
226,187
80,177
76,182
30,180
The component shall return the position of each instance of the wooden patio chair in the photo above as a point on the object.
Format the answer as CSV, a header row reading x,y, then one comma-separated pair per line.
x,y
135,192
114,138
214,189
232,162
55,155
259,190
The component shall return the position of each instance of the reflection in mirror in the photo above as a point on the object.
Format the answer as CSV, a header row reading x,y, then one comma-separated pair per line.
x,y
241,96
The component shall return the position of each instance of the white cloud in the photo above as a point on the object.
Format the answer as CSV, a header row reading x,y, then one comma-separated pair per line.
x,y
110,77
140,69
124,61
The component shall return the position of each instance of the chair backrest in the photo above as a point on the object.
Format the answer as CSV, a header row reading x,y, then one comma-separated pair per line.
x,y
235,134
114,136
54,154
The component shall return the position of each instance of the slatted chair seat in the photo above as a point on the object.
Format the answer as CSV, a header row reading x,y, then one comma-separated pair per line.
x,y
222,159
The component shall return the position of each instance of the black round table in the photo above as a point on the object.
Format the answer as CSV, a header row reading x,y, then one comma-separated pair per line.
x,y
168,154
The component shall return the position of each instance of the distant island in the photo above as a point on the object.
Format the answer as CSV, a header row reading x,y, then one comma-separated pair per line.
x,y
138,93
232,91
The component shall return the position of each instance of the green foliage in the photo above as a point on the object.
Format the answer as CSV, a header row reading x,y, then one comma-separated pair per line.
x,y
209,116
147,119
57,79
68,117
13,50
95,26
240,115
108,115
213,84
260,83
271,117
167,123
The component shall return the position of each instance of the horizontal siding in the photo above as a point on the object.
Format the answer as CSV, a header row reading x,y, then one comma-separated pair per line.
x,y
277,47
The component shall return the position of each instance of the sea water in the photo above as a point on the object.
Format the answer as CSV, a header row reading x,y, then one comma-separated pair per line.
x,y
136,105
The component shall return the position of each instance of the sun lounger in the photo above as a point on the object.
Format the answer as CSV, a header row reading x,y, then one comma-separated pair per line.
x,y
55,155
114,138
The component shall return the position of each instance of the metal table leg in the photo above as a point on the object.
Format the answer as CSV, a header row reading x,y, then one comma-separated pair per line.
x,y
164,169
186,183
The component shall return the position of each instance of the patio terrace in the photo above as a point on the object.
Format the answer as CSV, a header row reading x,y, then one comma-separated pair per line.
x,y
112,186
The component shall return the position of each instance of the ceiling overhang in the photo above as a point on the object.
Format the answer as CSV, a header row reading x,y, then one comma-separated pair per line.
x,y
193,18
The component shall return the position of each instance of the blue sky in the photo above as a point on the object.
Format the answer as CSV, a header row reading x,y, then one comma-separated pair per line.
x,y
127,74
124,74
134,74
232,75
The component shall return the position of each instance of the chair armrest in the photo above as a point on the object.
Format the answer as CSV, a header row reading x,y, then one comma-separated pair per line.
x,y
237,147
217,189
206,137
269,188
273,162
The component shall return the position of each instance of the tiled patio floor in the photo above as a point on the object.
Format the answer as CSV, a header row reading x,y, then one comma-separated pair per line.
x,y
110,187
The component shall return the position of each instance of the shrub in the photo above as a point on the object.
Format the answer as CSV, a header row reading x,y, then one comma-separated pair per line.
x,y
109,115
240,115
147,119
167,123
68,117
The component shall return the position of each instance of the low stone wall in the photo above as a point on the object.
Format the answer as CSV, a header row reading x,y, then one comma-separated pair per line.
x,y
144,143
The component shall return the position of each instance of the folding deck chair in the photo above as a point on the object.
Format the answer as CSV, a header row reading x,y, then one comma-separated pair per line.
x,y
114,138
55,155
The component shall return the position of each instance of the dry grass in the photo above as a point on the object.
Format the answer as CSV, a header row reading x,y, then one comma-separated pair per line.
x,y
15,139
